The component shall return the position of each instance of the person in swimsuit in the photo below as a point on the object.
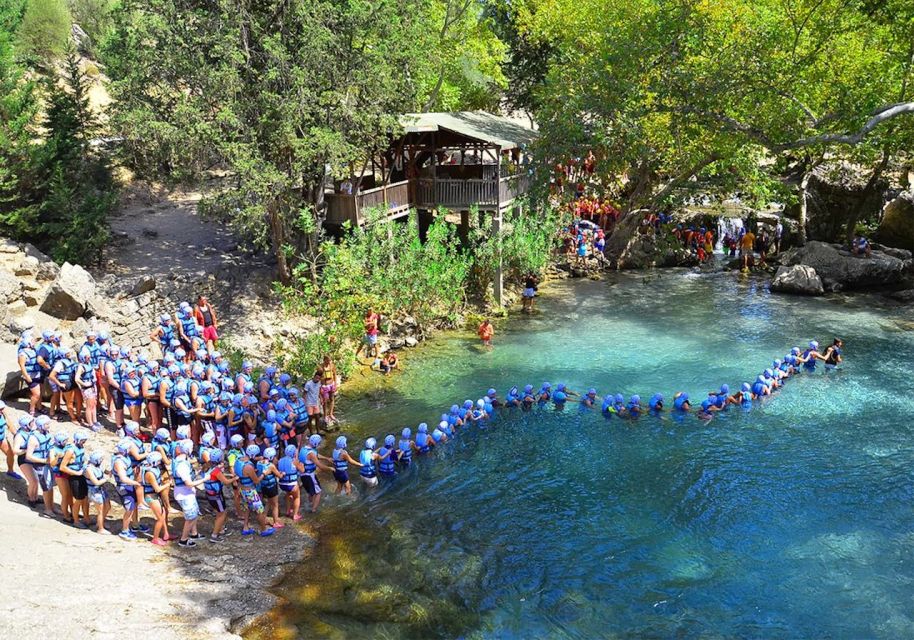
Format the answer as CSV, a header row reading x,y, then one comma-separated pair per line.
x,y
309,462
833,354
486,331
246,471
98,491
529,295
155,494
205,316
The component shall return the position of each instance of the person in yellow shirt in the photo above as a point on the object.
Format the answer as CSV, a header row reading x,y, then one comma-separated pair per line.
x,y
746,243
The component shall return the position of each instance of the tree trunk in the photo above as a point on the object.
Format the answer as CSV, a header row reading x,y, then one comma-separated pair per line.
x,y
277,238
865,195
803,195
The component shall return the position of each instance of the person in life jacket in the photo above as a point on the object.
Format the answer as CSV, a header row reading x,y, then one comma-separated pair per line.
x,y
98,492
31,371
341,462
248,480
124,474
155,494
63,378
149,389
288,467
309,461
215,480
59,443
833,354
6,442
36,454
87,382
269,485
368,457
20,446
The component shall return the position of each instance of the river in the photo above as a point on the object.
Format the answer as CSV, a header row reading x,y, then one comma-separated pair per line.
x,y
790,520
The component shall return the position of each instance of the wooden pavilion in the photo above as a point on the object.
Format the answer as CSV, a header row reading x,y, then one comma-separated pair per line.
x,y
457,161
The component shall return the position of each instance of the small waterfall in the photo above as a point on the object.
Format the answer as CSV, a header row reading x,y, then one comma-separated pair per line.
x,y
727,226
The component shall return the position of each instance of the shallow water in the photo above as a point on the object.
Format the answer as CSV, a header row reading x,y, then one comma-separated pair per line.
x,y
791,520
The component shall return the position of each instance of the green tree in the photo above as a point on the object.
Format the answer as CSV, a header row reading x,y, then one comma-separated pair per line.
x,y
79,191
45,30
285,95
95,17
18,113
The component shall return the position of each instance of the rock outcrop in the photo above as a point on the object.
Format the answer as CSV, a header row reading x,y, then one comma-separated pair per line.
x,y
798,279
70,294
839,269
897,226
627,248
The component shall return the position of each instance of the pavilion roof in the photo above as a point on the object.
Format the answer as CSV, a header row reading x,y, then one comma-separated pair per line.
x,y
501,131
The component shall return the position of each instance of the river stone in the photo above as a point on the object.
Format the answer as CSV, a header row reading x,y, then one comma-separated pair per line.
x,y
906,295
8,246
897,226
410,341
70,293
31,251
845,271
798,279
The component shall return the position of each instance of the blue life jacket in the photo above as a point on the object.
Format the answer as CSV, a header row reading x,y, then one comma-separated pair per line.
x,y
271,433
268,481
189,325
134,387
148,489
57,453
43,446
128,469
212,485
76,462
88,375
310,465
289,470
167,335
94,350
387,465
339,463
406,451
31,363
176,478
679,402
49,353
247,379
367,470
209,402
759,388
154,383
240,465
66,373
183,397
3,426
301,412
437,435
811,363
422,442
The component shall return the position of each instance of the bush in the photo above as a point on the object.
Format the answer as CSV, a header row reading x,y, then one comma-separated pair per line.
x,y
45,30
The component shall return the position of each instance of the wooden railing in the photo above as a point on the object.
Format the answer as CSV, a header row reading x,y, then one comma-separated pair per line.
x,y
426,193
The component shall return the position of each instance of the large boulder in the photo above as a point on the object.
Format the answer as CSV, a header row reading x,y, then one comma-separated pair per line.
x,y
897,226
628,248
839,269
798,279
10,287
70,293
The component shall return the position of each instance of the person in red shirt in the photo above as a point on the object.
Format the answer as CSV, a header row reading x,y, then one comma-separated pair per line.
x,y
485,332
205,316
372,322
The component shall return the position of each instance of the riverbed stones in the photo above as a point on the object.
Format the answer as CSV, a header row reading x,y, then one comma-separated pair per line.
x,y
839,269
798,279
69,295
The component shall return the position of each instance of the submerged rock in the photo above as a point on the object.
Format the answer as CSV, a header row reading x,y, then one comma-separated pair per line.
x,y
798,279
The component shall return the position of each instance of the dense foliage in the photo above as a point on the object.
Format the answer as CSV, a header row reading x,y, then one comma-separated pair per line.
x,y
55,187
387,267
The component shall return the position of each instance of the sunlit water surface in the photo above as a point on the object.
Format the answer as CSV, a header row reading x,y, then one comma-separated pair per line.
x,y
792,520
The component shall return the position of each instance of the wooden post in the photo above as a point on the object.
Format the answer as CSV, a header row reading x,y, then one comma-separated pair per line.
x,y
496,230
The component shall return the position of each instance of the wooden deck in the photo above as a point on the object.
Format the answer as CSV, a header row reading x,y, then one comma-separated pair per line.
x,y
427,193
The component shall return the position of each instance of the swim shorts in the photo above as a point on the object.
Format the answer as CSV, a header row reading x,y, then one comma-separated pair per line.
x,y
189,506
311,484
117,396
288,488
128,497
79,487
341,476
45,476
371,482
209,334
252,500
97,495
89,392
270,492
217,502
529,293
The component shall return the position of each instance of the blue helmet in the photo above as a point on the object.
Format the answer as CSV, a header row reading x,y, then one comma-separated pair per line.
x,y
314,440
423,428
270,453
215,456
406,432
371,443
252,451
341,442
389,440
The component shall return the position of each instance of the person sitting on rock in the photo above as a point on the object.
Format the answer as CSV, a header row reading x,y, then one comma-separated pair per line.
x,y
861,247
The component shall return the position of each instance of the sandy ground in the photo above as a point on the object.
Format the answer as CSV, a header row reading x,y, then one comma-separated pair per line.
x,y
64,582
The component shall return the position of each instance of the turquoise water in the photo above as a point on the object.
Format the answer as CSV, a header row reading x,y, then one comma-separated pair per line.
x,y
792,520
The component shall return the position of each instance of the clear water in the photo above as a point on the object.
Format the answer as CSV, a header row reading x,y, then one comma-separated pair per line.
x,y
792,520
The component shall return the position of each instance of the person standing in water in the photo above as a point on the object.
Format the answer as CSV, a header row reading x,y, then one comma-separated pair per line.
x,y
530,287
485,332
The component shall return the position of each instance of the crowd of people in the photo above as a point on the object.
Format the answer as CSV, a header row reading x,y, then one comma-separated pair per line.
x,y
186,424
